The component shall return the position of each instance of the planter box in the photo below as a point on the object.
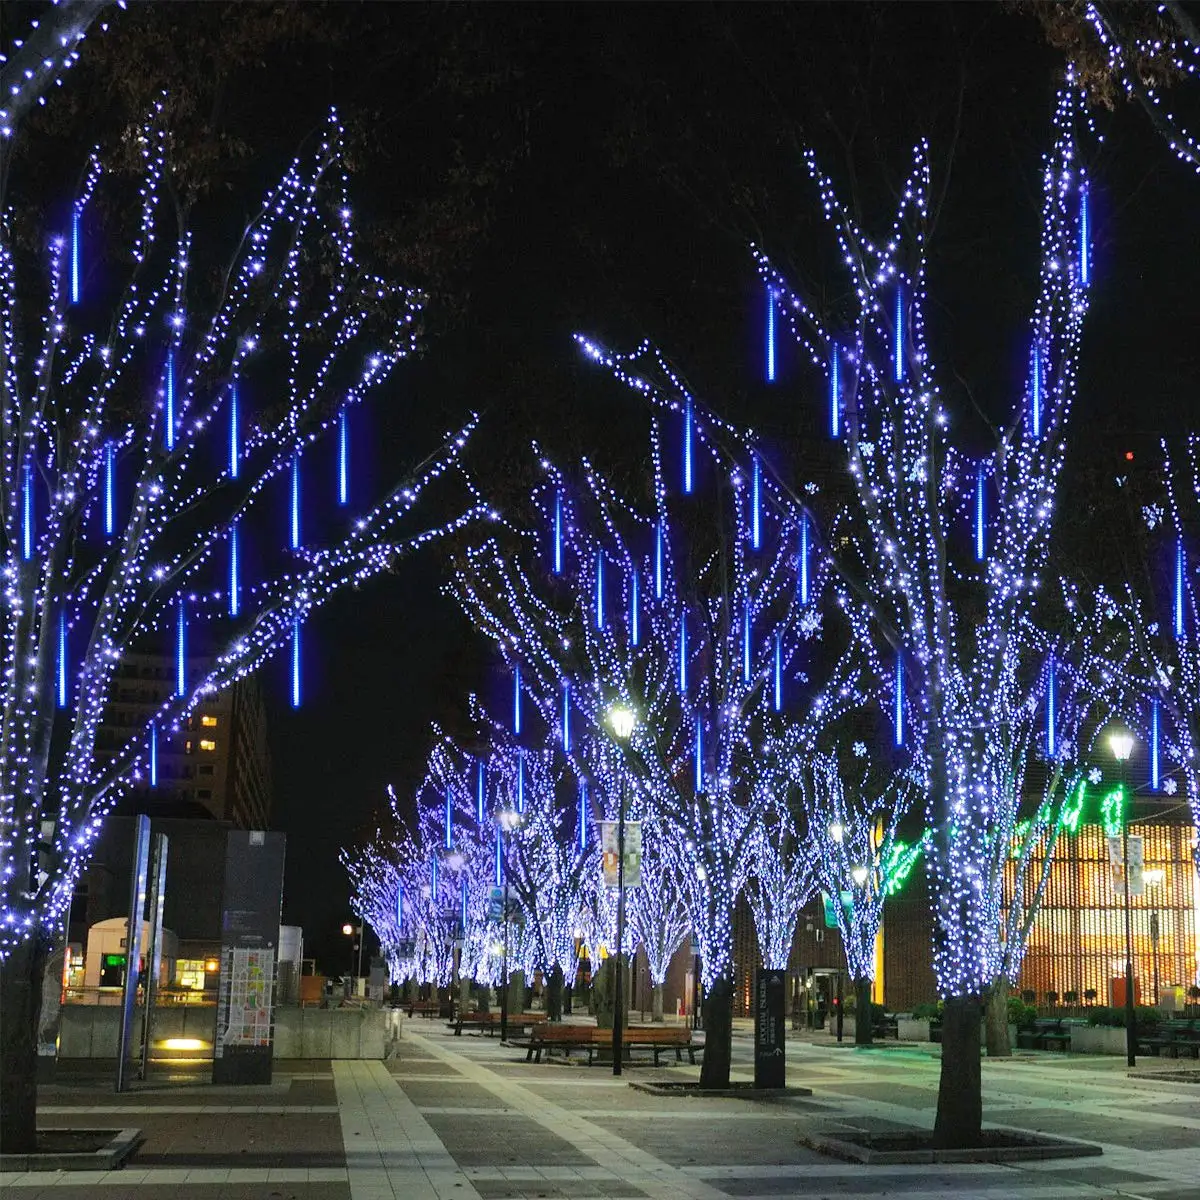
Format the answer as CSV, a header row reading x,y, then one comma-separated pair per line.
x,y
1097,1039
912,1029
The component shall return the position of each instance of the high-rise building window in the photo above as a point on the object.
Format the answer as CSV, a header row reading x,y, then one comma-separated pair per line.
x,y
207,744
208,722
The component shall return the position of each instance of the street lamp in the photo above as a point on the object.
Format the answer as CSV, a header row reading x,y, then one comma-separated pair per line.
x,y
1120,741
621,720
510,819
350,930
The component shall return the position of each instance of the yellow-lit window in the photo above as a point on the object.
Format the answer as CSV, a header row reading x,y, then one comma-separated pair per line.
x,y
189,973
207,744
208,722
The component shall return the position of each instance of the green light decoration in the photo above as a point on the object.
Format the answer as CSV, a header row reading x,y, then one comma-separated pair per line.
x,y
1112,812
1020,833
1072,810
899,863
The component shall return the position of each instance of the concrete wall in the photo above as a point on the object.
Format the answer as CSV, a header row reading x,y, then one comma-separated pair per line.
x,y
93,1031
1097,1039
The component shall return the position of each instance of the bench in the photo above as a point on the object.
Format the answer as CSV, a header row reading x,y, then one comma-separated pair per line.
x,y
659,1039
1171,1039
424,1008
886,1026
489,1022
1045,1033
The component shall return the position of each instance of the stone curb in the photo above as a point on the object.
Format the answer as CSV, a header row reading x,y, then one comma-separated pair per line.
x,y
1039,1147
121,1145
690,1090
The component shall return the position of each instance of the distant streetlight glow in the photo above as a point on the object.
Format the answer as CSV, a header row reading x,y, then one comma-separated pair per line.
x,y
1120,741
621,720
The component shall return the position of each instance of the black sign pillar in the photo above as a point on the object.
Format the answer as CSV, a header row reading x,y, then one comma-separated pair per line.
x,y
770,994
249,951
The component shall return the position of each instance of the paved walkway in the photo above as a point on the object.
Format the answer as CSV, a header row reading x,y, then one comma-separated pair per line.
x,y
467,1118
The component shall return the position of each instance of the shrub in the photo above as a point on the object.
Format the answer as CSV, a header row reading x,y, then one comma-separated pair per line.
x,y
928,1012
1115,1017
1070,997
1020,1013
1029,996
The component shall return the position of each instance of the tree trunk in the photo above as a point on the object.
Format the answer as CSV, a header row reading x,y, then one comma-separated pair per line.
x,y
960,1090
656,1002
20,1007
996,1029
554,994
862,1012
718,1033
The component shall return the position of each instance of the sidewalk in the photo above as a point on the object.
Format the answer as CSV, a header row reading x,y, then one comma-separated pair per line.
x,y
468,1118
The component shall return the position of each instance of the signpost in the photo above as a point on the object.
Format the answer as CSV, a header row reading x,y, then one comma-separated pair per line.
x,y
249,944
770,1061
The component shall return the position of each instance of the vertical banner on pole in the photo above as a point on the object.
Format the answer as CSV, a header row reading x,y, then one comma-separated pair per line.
x,y
1137,865
251,910
633,853
770,1063
133,940
158,896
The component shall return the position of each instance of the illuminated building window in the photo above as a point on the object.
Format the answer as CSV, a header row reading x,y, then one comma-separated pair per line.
x,y
207,744
208,722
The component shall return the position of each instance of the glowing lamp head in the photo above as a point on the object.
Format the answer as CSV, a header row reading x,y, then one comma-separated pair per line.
x,y
1120,742
859,875
621,720
347,929
837,831
211,965
510,819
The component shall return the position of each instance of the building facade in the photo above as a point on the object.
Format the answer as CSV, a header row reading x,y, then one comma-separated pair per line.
x,y
217,762
1076,944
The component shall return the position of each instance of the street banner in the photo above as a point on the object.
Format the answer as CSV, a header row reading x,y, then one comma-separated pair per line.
x,y
633,853
501,897
250,916
831,919
1137,865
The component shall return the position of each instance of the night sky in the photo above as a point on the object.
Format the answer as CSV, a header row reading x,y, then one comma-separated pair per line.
x,y
555,168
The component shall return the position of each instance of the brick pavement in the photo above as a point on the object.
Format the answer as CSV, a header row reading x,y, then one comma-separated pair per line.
x,y
467,1118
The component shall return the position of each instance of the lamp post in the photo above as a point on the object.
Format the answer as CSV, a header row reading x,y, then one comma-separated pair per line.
x,y
509,820
1121,744
621,721
355,947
